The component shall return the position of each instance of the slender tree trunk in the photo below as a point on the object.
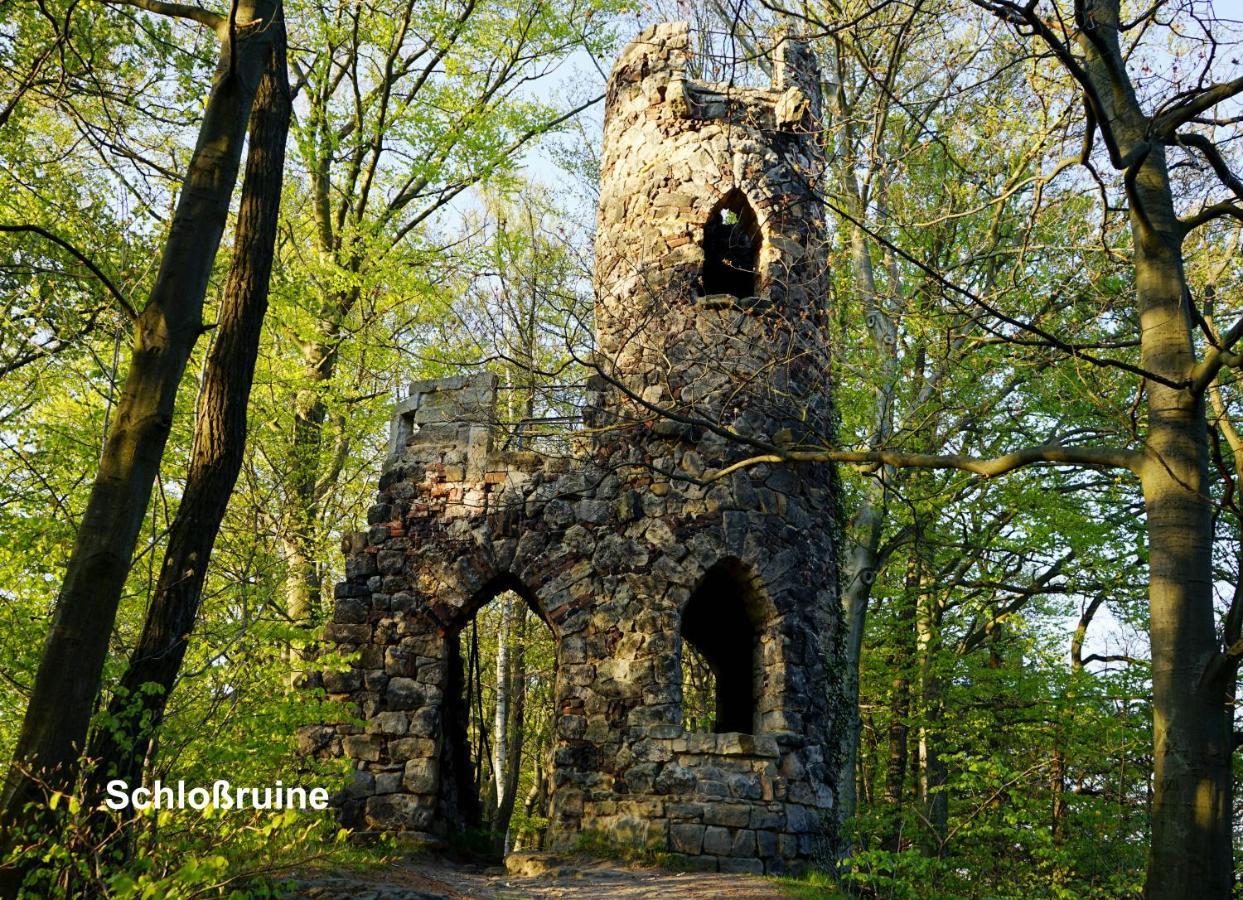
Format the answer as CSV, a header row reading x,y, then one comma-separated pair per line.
x,y
933,777
500,726
860,574
136,710
1057,784
303,589
68,679
517,687
900,705
533,805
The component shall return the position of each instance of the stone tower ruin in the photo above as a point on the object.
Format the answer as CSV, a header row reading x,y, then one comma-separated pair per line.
x,y
710,292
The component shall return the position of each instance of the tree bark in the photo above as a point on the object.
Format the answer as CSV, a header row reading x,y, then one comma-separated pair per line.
x,y
500,726
67,683
900,704
1190,847
933,777
517,680
136,711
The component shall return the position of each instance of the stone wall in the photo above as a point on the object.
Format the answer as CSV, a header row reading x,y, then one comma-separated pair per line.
x,y
610,547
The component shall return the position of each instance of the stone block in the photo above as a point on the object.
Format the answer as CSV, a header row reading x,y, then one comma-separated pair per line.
x,y
787,845
387,782
411,748
717,841
425,723
674,779
362,746
731,815
400,662
403,693
397,812
800,819
766,817
390,562
593,512
744,843
766,845
686,838
394,723
739,866
343,682
744,787
681,862
686,811
421,776
350,611
339,633
362,784
314,739
641,779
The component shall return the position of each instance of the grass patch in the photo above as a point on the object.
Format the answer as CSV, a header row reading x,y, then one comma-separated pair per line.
x,y
813,884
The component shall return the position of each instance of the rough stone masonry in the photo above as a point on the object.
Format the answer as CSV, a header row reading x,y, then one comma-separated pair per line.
x,y
710,325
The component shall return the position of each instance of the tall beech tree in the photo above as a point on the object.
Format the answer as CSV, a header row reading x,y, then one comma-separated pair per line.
x,y
119,746
67,684
1193,667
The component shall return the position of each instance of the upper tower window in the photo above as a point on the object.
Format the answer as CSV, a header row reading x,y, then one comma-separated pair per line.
x,y
731,247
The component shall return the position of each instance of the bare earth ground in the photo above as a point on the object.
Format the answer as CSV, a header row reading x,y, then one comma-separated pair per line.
x,y
581,879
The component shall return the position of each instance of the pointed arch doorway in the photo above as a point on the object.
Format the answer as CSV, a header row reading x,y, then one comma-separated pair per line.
x,y
498,720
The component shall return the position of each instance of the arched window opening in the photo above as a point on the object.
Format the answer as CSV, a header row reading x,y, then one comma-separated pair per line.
x,y
731,248
721,675
498,726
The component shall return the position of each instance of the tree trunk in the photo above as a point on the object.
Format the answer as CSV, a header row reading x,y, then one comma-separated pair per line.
x,y
513,764
68,679
136,711
860,574
1190,851
900,704
534,803
1190,848
303,588
1057,785
934,775
500,721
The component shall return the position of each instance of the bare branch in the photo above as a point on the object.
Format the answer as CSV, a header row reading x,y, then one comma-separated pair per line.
x,y
1106,457
1215,159
81,257
1214,211
1206,370
1186,108
1224,665
216,22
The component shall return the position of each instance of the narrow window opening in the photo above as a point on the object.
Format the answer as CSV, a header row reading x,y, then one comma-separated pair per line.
x,y
731,248
720,647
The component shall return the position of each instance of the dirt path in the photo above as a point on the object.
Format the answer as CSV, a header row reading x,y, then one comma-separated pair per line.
x,y
581,880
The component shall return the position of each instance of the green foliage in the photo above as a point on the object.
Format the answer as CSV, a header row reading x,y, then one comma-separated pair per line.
x,y
184,854
411,247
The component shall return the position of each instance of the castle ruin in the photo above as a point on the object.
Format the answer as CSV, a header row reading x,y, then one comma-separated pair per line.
x,y
710,325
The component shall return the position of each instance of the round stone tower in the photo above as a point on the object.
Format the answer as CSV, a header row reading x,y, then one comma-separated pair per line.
x,y
710,284
710,250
